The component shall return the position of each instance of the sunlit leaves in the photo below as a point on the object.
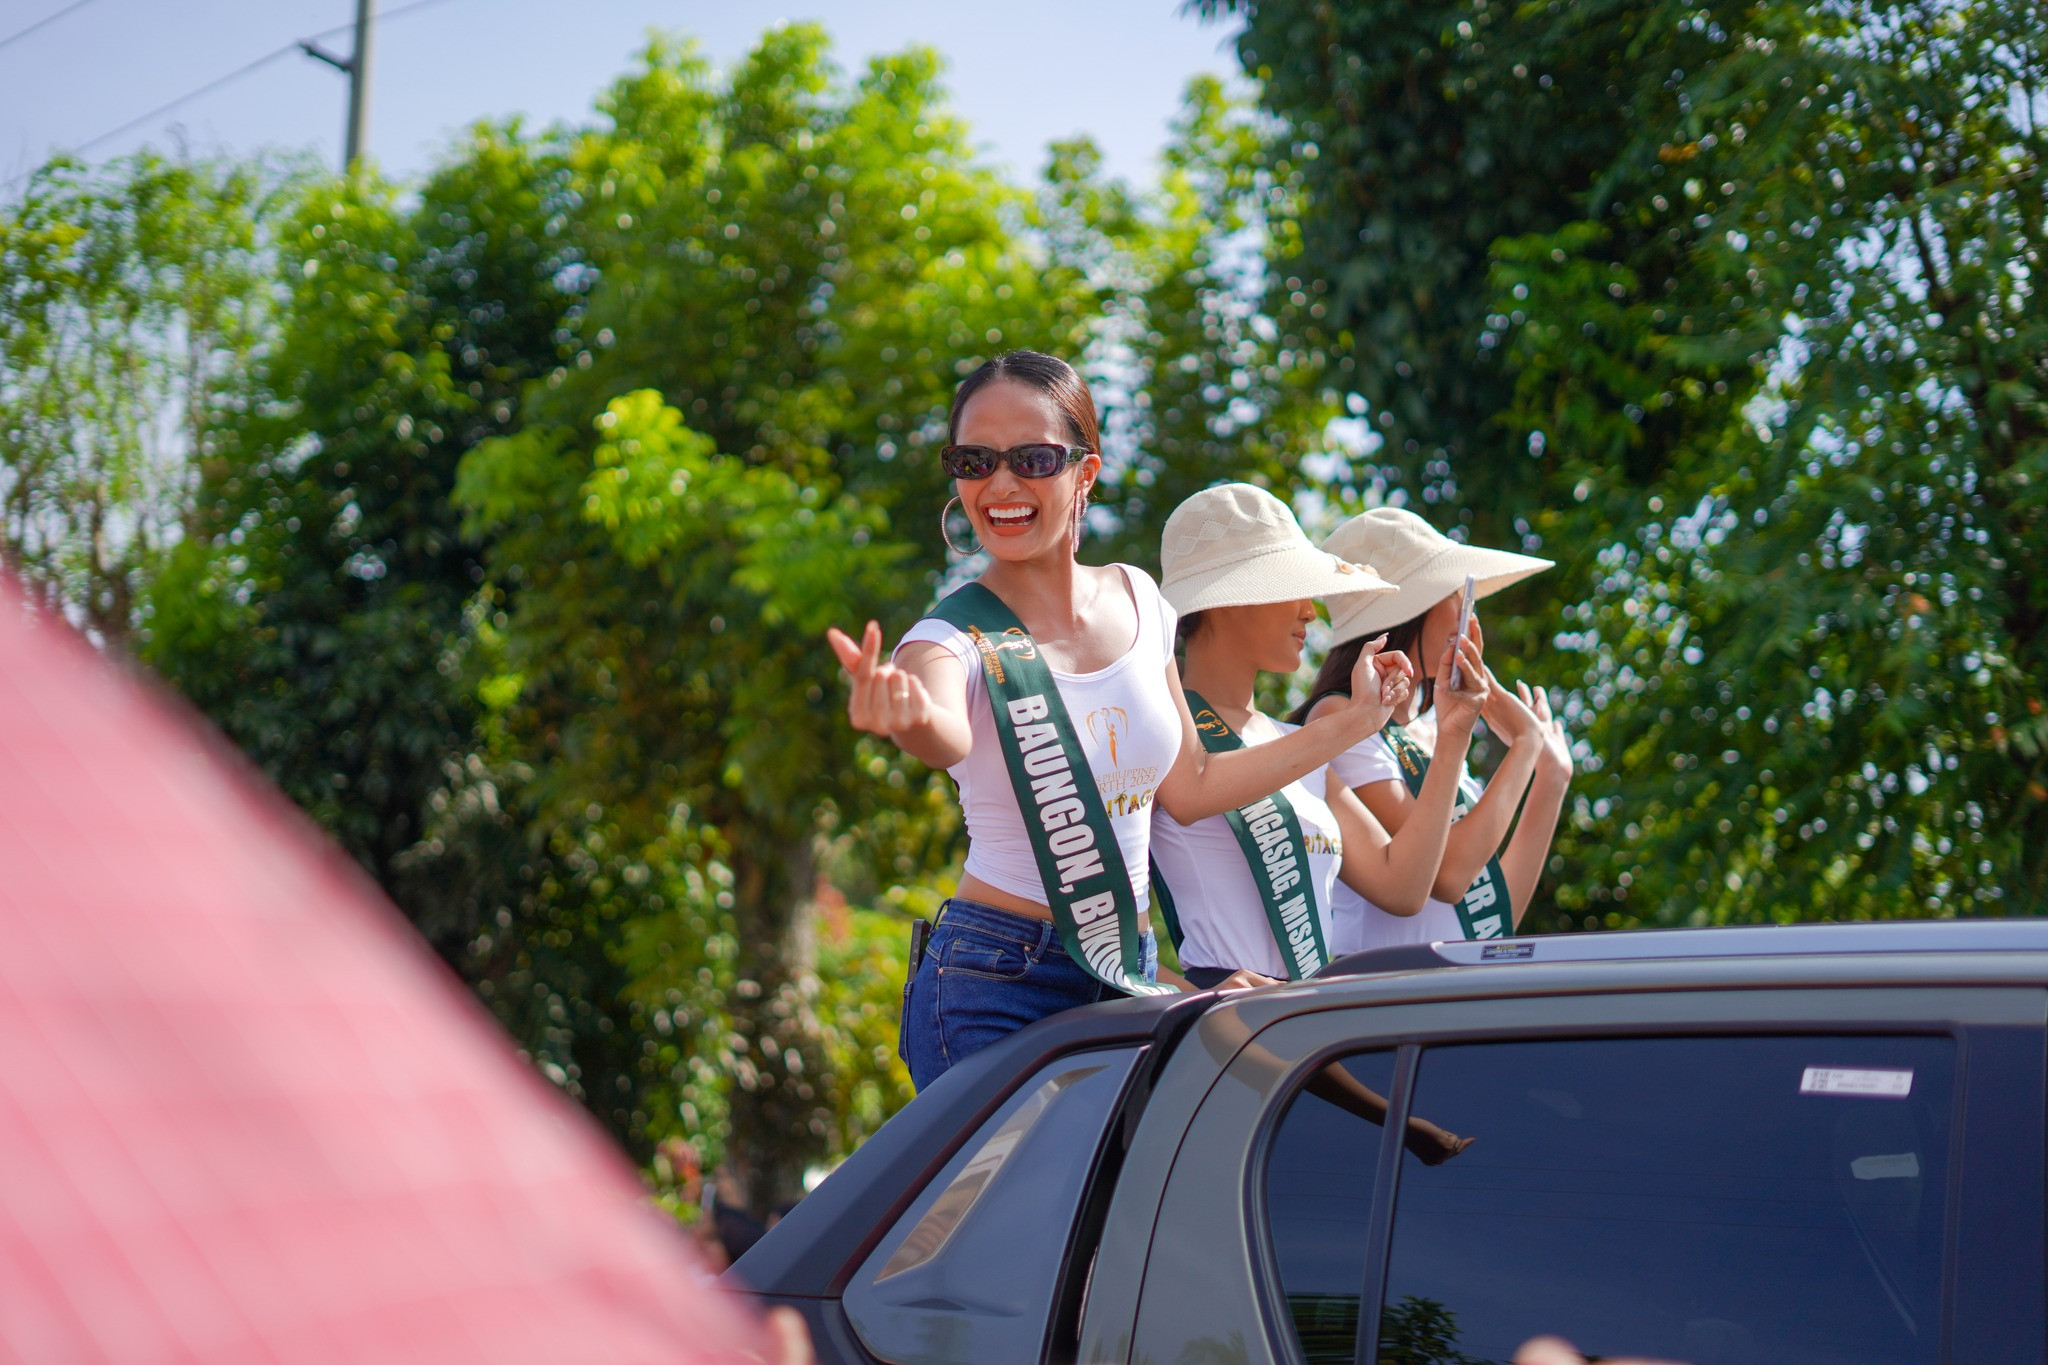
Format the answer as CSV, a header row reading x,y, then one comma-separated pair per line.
x,y
131,300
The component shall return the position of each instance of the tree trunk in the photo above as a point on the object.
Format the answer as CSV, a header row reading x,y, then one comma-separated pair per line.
x,y
780,1118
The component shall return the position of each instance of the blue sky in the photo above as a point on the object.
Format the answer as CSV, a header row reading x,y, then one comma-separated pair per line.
x,y
1022,74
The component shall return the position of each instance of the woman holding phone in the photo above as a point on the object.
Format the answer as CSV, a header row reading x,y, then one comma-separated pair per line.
x,y
1047,689
1249,891
1481,888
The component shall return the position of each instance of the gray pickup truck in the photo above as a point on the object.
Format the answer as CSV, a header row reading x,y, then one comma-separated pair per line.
x,y
1798,1145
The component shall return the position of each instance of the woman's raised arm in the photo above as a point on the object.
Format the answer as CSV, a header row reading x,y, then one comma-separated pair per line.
x,y
919,704
1201,784
1398,872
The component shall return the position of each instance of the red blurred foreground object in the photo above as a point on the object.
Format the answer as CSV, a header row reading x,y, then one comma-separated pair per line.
x,y
244,1116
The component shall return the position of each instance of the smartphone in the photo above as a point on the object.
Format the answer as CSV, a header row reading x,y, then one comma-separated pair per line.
x,y
1464,623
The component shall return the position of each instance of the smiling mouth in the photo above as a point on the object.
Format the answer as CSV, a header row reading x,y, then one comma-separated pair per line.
x,y
1012,516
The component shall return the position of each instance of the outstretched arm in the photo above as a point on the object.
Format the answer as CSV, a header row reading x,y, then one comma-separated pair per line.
x,y
1398,872
1432,1144
1201,784
920,704
1529,849
1473,840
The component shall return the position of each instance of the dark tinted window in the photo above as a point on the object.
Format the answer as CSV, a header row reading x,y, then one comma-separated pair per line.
x,y
1319,1182
969,1271
1730,1201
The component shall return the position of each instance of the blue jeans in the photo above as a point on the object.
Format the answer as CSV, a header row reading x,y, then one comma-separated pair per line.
x,y
987,973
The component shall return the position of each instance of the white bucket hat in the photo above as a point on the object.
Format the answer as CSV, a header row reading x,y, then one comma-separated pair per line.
x,y
1424,565
1239,546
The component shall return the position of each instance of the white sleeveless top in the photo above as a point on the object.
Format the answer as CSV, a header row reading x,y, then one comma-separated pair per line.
x,y
1130,732
1215,896
1356,923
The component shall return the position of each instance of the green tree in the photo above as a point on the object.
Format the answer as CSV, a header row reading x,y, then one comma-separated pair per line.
x,y
1728,308
321,621
1210,392
1421,1332
131,296
801,269
1417,136
1815,666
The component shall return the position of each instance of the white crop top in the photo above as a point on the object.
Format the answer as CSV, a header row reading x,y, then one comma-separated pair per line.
x,y
1215,897
1130,732
1355,922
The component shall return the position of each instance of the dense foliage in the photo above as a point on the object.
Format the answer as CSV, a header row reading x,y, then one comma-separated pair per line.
x,y
497,517
130,297
1731,309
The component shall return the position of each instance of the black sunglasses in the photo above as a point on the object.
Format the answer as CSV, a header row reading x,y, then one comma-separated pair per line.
x,y
1036,461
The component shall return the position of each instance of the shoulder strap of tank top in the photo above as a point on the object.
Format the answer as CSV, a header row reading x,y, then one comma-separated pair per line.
x,y
1087,884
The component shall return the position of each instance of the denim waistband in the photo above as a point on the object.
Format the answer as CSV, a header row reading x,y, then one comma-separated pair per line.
x,y
960,913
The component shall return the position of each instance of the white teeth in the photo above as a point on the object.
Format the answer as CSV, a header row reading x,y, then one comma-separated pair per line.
x,y
1010,516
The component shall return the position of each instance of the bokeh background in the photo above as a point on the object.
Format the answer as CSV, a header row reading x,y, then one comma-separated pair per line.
x,y
494,497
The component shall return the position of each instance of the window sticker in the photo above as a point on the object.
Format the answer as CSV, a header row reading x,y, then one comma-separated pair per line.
x,y
1880,1085
1896,1166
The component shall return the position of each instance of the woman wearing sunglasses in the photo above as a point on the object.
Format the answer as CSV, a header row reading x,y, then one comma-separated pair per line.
x,y
1247,894
1048,690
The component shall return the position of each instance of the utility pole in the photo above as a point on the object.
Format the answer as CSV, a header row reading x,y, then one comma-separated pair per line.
x,y
357,67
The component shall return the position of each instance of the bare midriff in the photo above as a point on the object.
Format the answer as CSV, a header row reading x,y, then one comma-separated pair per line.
x,y
973,888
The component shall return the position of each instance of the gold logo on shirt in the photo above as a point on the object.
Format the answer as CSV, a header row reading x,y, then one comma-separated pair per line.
x,y
1108,725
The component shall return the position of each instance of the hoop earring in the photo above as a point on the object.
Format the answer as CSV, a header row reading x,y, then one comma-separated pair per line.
x,y
947,536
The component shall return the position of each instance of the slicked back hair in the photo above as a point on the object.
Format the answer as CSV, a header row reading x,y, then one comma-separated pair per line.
x,y
1046,374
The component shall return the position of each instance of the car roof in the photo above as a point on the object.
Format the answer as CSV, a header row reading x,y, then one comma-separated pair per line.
x,y
1726,941
812,1251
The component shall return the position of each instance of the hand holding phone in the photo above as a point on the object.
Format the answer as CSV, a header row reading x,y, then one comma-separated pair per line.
x,y
1464,625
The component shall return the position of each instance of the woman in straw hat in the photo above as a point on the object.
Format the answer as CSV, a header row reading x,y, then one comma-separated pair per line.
x,y
1481,889
1247,894
1047,688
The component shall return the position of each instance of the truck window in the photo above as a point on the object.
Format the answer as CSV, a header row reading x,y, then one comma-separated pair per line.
x,y
1319,1183
1762,1200
968,1272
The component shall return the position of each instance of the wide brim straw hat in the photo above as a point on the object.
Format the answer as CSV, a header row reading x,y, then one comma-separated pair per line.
x,y
1424,565
1239,546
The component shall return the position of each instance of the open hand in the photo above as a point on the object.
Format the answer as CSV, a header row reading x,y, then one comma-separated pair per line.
x,y
1557,746
1379,684
885,700
1511,714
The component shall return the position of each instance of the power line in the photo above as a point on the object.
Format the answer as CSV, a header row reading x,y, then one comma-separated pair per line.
x,y
44,22
217,83
206,89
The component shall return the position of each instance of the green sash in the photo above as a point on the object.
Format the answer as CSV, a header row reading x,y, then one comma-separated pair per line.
x,y
1087,884
1484,910
1269,833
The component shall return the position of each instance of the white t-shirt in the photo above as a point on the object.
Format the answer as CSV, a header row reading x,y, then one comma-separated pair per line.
x,y
1358,924
1215,895
1130,733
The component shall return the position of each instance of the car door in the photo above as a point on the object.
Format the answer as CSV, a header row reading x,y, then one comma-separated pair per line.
x,y
1752,1176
